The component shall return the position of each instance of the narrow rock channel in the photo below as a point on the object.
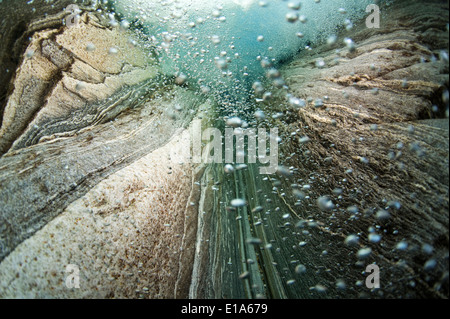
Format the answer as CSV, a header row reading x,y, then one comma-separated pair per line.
x,y
96,153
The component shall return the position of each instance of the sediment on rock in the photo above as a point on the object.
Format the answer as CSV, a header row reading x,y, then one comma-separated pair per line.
x,y
95,166
374,137
96,169
22,22
64,79
127,235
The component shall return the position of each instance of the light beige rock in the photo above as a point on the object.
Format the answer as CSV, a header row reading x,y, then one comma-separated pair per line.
x,y
126,235
59,75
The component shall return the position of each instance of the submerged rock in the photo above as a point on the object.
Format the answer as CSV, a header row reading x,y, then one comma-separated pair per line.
x,y
96,171
363,135
94,167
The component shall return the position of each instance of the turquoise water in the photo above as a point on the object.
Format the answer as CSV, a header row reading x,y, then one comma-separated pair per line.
x,y
224,47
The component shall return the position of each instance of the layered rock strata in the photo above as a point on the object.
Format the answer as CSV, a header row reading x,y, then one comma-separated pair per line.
x,y
95,167
96,174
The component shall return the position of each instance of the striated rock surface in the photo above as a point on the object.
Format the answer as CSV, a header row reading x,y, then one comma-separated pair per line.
x,y
380,137
21,21
96,172
95,152
367,158
127,235
64,76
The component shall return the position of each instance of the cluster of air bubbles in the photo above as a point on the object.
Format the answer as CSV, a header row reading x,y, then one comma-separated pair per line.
x,y
233,51
190,36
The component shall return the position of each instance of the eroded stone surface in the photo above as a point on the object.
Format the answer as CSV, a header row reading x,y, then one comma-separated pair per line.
x,y
86,177
75,116
126,235
23,20
370,139
376,147
60,77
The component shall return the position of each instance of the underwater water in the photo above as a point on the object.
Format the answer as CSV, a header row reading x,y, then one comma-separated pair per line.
x,y
224,48
232,51
231,149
